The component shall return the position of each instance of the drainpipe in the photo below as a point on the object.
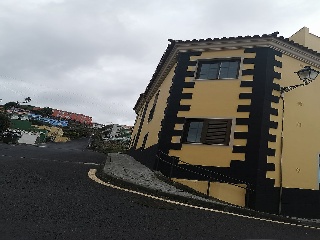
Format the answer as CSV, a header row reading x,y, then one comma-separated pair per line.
x,y
281,154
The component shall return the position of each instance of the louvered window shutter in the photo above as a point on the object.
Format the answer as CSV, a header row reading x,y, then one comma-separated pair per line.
x,y
216,131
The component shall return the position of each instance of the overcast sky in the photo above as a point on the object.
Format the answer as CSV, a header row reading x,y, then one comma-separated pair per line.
x,y
96,56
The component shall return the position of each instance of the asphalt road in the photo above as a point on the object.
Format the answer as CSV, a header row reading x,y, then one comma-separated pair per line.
x,y
45,193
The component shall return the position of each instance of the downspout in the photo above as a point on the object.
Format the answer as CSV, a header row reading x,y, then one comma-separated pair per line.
x,y
281,154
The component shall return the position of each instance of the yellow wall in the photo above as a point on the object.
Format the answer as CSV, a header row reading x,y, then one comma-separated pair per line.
x,y
207,100
306,39
136,126
301,145
154,126
222,191
216,99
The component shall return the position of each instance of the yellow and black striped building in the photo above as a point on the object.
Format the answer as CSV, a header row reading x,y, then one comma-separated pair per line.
x,y
213,118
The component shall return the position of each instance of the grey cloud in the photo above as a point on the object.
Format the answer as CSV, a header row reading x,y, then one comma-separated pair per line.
x,y
96,57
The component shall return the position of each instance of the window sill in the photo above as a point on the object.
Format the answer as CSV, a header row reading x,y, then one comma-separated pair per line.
x,y
202,144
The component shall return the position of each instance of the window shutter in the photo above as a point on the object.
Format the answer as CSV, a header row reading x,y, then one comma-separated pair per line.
x,y
216,131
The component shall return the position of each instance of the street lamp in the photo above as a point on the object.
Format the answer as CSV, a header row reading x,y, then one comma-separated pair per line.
x,y
306,75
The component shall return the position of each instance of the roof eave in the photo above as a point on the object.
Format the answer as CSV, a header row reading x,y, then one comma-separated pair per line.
x,y
217,44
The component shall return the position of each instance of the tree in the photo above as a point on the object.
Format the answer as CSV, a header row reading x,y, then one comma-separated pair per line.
x,y
76,130
27,107
124,133
26,100
9,105
4,122
44,112
16,104
106,131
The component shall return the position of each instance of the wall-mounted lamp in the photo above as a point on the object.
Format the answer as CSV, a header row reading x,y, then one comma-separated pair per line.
x,y
306,75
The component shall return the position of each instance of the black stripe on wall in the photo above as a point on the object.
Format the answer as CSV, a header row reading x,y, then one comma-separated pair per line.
x,y
240,135
271,152
272,138
173,106
140,126
190,74
248,61
265,197
274,99
177,132
247,72
184,108
245,95
246,84
176,146
278,64
243,108
186,95
242,121
188,84
273,124
274,111
270,167
277,75
276,86
180,120
239,149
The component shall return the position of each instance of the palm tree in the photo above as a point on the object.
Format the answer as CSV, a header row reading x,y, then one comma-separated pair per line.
x,y
27,99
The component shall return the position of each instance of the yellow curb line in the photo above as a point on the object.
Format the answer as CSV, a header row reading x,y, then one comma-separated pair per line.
x,y
92,175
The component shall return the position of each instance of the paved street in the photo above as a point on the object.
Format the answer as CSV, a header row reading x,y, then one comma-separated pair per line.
x,y
46,194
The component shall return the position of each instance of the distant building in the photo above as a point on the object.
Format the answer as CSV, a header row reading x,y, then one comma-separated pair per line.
x,y
17,113
72,116
97,125
115,130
